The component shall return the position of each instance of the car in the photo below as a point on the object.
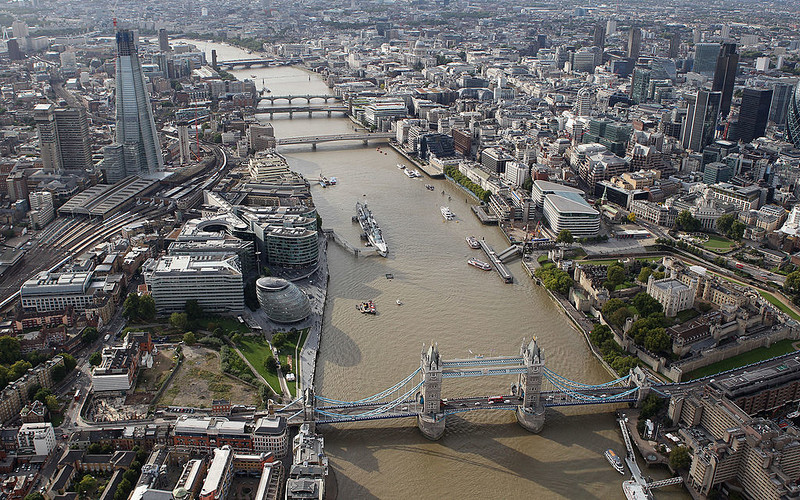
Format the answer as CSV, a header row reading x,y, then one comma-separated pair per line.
x,y
462,404
477,403
506,401
405,408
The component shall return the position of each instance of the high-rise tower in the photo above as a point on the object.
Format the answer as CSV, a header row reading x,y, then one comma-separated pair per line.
x,y
63,138
793,117
754,113
136,129
725,75
634,43
701,120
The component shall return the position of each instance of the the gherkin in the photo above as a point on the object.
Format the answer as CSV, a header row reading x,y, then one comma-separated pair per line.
x,y
793,117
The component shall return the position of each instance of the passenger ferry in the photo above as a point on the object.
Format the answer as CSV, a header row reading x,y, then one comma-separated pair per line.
x,y
615,461
446,213
473,242
479,264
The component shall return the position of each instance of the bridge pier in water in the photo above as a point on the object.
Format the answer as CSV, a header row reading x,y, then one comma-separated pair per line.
x,y
531,413
431,420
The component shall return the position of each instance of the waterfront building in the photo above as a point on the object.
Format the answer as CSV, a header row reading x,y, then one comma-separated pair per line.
x,y
671,293
271,435
309,466
175,279
268,166
542,188
261,137
36,438
282,300
220,475
570,211
291,246
136,150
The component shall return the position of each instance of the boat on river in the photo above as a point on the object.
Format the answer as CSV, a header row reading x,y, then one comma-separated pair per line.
x,y
473,242
371,229
367,307
615,461
446,213
479,264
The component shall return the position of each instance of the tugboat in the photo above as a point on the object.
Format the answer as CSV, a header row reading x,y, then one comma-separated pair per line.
x,y
615,461
479,264
367,307
473,242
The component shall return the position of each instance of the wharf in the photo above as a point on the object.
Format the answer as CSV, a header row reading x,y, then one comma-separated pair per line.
x,y
430,170
486,219
501,268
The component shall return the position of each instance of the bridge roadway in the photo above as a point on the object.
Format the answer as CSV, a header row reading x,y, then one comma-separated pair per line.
x,y
291,110
290,98
315,139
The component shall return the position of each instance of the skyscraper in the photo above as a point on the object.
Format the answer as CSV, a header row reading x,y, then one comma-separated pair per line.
x,y
634,43
63,138
793,117
700,124
163,40
640,84
136,150
725,75
781,94
754,113
599,35
705,58
674,45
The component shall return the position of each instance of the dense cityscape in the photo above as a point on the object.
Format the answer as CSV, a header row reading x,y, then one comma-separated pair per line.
x,y
228,226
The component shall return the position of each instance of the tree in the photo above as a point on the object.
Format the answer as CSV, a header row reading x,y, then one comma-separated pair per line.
x,y
725,222
685,221
644,274
278,340
680,458
69,361
619,316
96,358
89,335
616,275
285,368
4,376
791,285
646,304
189,338
87,485
9,350
737,230
564,236
52,403
131,475
18,369
612,305
130,308
657,341
270,364
179,321
147,308
632,217
193,310
41,394
34,496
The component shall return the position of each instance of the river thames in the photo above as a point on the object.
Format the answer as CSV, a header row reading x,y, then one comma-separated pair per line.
x,y
465,310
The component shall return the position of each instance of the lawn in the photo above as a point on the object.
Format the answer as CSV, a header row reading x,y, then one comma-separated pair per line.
x,y
686,315
719,244
780,305
257,350
227,324
746,358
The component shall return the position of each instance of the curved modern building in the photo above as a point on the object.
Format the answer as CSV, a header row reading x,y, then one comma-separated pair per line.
x,y
281,300
793,117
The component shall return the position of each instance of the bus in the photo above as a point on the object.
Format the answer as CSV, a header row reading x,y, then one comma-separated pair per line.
x,y
495,399
77,394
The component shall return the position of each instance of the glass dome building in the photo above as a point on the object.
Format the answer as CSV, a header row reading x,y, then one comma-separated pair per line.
x,y
281,300
793,117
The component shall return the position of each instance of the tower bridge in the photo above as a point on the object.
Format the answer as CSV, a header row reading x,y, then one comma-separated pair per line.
x,y
420,393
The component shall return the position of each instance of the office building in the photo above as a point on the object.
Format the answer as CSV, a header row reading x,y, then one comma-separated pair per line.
x,y
63,138
743,197
716,172
220,475
268,166
281,300
291,246
793,117
175,279
271,435
700,124
754,113
184,143
261,137
163,40
705,58
725,76
599,35
573,213
137,149
781,94
41,209
634,43
640,84
14,52
674,45
36,438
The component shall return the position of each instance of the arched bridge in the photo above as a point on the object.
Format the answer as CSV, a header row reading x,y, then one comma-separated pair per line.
x,y
307,97
249,63
419,394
